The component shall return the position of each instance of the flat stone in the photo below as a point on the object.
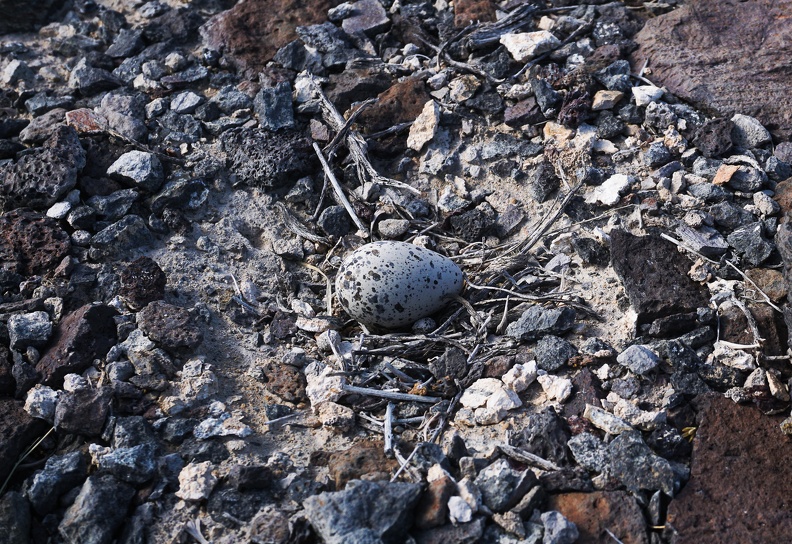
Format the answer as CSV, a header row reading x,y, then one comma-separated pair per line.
x,y
594,513
135,465
425,126
462,533
606,421
82,336
742,463
611,190
18,431
85,120
363,512
273,106
368,17
654,275
606,100
538,321
732,51
524,46
97,512
553,352
558,529
170,326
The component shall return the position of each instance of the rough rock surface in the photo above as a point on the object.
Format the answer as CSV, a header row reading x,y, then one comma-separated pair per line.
x,y
731,53
593,513
170,326
654,275
252,31
741,464
84,335
17,432
31,243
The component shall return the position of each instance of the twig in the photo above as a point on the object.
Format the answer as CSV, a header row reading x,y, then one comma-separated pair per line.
x,y
389,430
342,132
278,421
193,528
339,191
613,537
24,456
526,457
294,225
390,395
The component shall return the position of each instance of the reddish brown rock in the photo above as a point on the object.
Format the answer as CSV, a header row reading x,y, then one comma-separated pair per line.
x,y
432,510
401,103
364,460
142,281
31,243
770,281
251,32
285,381
524,112
470,11
740,489
783,195
724,56
85,120
357,85
169,326
593,513
83,411
83,335
17,432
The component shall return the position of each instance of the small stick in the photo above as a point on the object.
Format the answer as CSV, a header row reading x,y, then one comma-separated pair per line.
x,y
390,395
526,457
389,430
339,191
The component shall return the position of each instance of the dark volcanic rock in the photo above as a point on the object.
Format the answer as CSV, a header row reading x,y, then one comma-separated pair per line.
x,y
268,159
15,518
742,464
546,435
97,512
142,281
654,275
39,178
593,513
83,411
170,326
82,336
731,51
252,31
60,474
363,512
637,466
26,15
18,430
363,459
401,103
31,243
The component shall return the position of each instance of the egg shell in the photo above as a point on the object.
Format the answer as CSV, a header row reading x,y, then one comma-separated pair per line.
x,y
393,284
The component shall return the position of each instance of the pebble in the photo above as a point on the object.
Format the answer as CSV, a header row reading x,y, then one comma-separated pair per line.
x,y
186,102
556,388
41,402
606,421
558,529
60,474
639,359
646,94
196,481
459,511
425,126
606,100
552,352
524,46
33,329
537,321
224,425
141,168
273,106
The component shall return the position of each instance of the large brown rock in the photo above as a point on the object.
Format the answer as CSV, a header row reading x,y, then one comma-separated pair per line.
x,y
400,103
251,32
170,326
593,513
31,243
18,430
471,11
740,489
725,56
84,335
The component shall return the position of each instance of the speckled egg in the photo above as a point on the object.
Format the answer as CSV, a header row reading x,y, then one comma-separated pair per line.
x,y
393,284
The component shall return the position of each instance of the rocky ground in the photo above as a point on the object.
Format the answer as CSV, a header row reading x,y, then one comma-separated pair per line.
x,y
613,180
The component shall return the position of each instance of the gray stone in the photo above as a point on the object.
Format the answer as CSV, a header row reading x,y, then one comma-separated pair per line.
x,y
558,529
83,411
273,107
60,474
616,76
120,371
230,99
657,154
706,240
501,486
97,512
639,359
141,168
553,352
368,17
749,242
136,529
115,241
189,194
546,97
748,132
115,205
89,80
747,179
590,452
186,102
538,321
638,467
135,465
126,43
365,512
41,103
33,329
546,435
14,519
334,221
